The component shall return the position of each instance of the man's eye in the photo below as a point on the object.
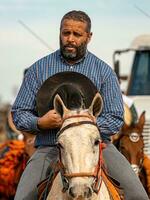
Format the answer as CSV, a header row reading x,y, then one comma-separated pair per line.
x,y
65,33
77,34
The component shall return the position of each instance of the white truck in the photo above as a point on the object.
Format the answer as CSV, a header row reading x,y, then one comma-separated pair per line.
x,y
138,80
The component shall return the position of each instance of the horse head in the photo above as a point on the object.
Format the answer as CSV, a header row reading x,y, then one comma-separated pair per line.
x,y
78,141
131,143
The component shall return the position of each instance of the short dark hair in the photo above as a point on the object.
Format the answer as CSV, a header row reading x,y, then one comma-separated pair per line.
x,y
78,16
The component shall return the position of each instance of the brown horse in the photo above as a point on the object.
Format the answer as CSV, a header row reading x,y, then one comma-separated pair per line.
x,y
130,143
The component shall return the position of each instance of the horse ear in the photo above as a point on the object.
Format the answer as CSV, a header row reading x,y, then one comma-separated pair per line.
x,y
59,106
125,127
141,120
96,105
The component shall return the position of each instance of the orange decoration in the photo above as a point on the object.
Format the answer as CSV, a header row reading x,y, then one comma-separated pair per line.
x,y
12,164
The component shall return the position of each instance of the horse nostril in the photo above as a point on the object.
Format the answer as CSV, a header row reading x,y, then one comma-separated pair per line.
x,y
72,192
87,192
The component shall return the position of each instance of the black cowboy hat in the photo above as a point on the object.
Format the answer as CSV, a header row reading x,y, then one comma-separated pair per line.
x,y
74,89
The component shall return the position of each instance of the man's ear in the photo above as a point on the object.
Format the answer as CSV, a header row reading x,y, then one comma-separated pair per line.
x,y
59,106
89,36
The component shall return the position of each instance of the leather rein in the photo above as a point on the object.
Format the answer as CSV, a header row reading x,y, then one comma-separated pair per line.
x,y
97,173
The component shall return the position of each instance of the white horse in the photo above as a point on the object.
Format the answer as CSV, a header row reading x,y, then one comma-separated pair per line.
x,y
80,155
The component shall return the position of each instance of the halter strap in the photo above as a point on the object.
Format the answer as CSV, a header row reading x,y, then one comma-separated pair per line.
x,y
77,116
95,173
75,124
128,135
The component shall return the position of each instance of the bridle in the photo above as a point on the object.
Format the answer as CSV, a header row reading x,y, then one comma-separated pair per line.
x,y
97,173
76,123
138,167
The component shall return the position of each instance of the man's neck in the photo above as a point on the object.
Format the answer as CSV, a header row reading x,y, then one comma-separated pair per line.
x,y
71,62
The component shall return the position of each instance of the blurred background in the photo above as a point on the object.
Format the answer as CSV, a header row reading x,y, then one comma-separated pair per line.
x,y
29,30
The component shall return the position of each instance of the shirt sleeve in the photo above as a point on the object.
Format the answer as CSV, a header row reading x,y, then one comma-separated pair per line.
x,y
23,110
111,118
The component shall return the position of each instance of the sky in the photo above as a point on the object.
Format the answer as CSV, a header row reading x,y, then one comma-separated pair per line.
x,y
29,30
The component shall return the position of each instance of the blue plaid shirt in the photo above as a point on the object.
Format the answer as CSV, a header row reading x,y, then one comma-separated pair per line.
x,y
24,112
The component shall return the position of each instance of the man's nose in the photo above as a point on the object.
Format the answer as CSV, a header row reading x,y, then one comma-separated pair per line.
x,y
71,38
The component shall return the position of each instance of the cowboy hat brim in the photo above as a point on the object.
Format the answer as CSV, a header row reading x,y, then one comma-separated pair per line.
x,y
70,82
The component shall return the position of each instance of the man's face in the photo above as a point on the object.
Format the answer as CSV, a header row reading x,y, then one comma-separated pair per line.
x,y
73,39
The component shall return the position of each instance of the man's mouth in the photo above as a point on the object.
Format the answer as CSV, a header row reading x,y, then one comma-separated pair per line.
x,y
70,47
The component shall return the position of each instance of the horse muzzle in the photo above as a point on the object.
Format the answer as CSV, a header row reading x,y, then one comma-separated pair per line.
x,y
80,191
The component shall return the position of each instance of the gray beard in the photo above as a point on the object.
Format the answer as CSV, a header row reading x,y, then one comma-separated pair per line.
x,y
69,55
80,52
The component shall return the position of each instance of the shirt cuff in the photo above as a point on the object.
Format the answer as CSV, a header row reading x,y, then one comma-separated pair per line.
x,y
34,124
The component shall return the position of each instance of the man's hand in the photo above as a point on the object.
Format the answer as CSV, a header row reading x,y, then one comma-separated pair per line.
x,y
50,120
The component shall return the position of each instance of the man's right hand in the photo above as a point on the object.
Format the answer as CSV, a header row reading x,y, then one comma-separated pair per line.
x,y
50,120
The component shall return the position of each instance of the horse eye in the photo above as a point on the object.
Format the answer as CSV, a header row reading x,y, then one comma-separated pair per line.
x,y
59,145
122,147
96,142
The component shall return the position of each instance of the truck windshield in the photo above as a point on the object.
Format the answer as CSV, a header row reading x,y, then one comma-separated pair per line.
x,y
140,75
